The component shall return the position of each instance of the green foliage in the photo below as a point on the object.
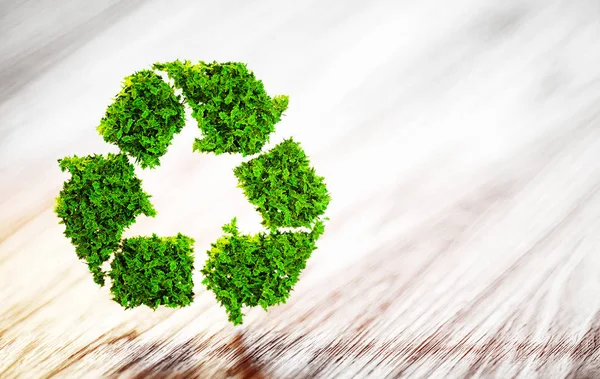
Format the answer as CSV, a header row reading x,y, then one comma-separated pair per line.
x,y
154,271
261,269
102,198
143,118
234,112
283,186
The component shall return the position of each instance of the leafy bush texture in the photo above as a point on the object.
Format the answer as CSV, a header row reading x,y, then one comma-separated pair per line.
x,y
143,118
261,269
283,187
104,197
154,271
234,112
100,201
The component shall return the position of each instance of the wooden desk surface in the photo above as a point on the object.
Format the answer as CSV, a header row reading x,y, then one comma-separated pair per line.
x,y
460,141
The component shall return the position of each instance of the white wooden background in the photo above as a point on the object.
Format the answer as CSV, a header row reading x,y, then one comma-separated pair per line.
x,y
460,140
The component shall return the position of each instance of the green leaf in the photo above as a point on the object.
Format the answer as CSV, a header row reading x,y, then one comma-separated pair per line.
x,y
168,260
280,183
226,99
241,268
134,121
85,206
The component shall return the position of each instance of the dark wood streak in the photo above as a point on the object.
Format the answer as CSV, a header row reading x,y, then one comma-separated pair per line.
x,y
169,364
491,350
99,343
246,365
181,361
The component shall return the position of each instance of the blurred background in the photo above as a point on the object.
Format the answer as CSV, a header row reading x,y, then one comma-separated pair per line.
x,y
460,141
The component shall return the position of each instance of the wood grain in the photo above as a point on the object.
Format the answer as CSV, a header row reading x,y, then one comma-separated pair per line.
x,y
461,144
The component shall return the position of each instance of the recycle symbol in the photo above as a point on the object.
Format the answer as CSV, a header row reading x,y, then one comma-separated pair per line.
x,y
235,115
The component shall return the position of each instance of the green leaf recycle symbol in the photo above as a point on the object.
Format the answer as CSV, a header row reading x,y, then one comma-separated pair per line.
x,y
235,115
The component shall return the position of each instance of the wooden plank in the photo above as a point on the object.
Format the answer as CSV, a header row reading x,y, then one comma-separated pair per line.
x,y
460,143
